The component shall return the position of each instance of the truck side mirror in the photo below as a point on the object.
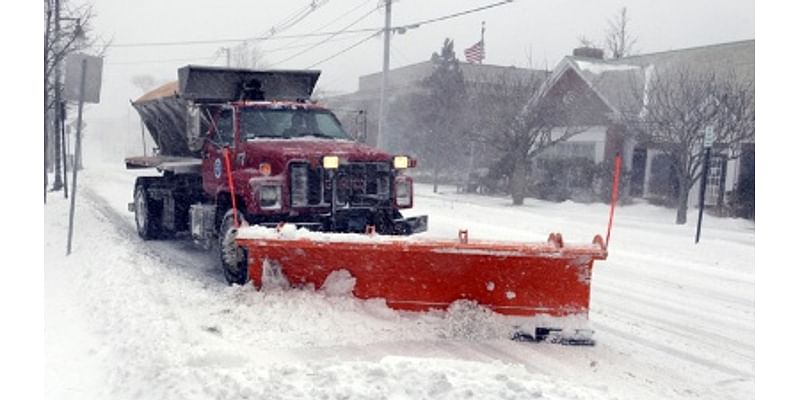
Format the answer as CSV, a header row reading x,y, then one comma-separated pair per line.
x,y
196,140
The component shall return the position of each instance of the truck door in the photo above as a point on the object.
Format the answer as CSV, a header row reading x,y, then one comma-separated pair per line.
x,y
220,136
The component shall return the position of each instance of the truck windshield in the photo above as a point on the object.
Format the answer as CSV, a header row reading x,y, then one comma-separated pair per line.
x,y
287,123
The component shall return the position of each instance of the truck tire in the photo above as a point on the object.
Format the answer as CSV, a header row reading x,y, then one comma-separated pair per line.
x,y
233,259
147,212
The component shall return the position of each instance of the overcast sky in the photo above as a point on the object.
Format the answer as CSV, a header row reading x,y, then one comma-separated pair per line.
x,y
541,31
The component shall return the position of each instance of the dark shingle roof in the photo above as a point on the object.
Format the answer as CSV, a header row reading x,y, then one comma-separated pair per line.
x,y
620,82
406,76
737,57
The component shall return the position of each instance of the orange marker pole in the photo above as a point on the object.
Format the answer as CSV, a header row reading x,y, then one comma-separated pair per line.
x,y
226,154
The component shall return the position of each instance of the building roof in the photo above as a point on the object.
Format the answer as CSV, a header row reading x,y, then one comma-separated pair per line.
x,y
402,77
620,82
616,83
737,57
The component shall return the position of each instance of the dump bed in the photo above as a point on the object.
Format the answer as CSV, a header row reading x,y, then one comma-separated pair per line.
x,y
175,124
165,114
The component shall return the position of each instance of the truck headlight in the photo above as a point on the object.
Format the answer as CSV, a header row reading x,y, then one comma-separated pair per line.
x,y
403,193
400,162
269,197
330,162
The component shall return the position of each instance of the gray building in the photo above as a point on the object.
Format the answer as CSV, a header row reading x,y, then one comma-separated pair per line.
x,y
622,86
405,81
359,112
618,86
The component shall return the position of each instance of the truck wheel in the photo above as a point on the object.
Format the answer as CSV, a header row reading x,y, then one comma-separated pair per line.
x,y
146,212
233,258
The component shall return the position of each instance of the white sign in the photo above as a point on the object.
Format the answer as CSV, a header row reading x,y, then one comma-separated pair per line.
x,y
72,77
710,137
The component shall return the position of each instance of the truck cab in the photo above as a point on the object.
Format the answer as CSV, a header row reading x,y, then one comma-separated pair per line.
x,y
249,147
293,162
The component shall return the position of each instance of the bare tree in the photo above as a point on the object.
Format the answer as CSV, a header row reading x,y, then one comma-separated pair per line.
x,y
619,39
70,39
247,55
509,115
678,106
584,41
72,36
144,82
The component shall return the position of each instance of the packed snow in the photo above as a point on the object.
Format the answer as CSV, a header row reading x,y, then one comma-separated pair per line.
x,y
601,67
129,319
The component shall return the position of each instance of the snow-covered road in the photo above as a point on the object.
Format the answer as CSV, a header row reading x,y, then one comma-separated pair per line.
x,y
151,320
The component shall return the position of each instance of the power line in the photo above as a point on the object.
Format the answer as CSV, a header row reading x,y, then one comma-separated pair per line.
x,y
331,36
295,18
410,26
206,57
218,41
345,50
288,19
331,22
287,23
306,35
216,54
313,6
458,14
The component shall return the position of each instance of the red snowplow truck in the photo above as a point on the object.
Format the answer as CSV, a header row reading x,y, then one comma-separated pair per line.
x,y
238,146
247,159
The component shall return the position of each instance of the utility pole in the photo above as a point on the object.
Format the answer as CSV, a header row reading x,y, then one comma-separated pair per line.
x,y
57,182
46,45
387,34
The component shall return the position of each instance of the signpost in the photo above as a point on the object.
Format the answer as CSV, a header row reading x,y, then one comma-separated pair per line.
x,y
708,141
82,83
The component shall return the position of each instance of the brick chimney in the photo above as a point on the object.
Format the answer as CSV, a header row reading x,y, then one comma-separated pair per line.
x,y
588,52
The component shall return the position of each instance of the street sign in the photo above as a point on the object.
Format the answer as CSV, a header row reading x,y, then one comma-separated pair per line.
x,y
72,78
710,137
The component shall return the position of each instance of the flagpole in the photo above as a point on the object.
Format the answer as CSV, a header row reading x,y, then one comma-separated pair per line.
x,y
483,45
472,142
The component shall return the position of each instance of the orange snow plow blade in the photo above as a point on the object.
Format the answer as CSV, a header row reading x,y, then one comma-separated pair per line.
x,y
520,279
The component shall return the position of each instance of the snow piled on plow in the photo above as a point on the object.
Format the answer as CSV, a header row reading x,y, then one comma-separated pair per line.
x,y
292,232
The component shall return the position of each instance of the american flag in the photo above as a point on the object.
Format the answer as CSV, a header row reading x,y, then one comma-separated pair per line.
x,y
475,53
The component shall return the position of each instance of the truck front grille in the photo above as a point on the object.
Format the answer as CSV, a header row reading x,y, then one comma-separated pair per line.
x,y
359,184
